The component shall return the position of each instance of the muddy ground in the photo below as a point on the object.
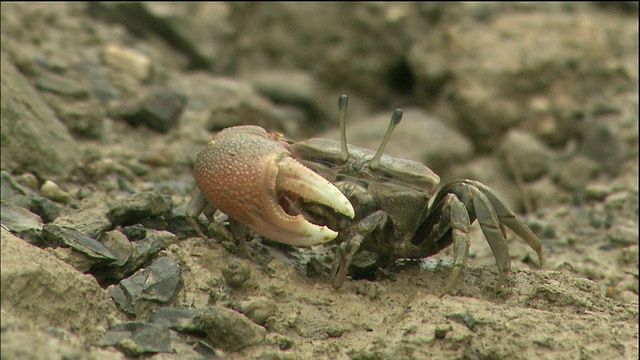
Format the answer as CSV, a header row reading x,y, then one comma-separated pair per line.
x,y
102,102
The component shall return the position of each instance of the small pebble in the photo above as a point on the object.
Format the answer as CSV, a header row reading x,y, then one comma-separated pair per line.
x,y
47,209
134,232
623,235
236,274
616,200
128,60
52,191
596,191
29,180
61,85
231,330
259,310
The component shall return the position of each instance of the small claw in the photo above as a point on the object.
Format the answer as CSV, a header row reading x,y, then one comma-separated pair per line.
x,y
292,177
298,179
243,173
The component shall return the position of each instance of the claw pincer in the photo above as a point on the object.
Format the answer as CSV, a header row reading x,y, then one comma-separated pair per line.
x,y
245,171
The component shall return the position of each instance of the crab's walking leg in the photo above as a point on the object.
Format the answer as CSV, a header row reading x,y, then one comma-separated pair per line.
x,y
348,248
458,204
196,205
452,225
509,218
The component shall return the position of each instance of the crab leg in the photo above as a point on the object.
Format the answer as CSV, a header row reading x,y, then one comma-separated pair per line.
x,y
348,248
456,206
508,218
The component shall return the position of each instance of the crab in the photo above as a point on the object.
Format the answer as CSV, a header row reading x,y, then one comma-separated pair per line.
x,y
311,192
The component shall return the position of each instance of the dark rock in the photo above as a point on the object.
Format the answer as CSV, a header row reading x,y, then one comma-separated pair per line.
x,y
26,122
61,85
205,350
120,298
138,338
47,209
22,222
160,111
134,232
138,252
178,224
100,86
158,283
88,216
139,206
14,193
56,236
119,245
183,320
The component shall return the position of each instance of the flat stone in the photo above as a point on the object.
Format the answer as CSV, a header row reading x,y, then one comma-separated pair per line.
x,y
57,236
26,123
138,206
119,245
61,85
183,320
45,208
526,153
231,330
160,111
158,283
89,216
13,192
137,338
22,222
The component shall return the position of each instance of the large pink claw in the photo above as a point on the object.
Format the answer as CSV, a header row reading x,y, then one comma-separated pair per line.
x,y
244,171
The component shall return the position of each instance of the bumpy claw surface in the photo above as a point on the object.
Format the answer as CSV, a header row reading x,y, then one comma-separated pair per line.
x,y
246,172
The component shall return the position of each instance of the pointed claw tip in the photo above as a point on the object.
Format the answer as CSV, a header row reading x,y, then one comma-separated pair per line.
x,y
297,178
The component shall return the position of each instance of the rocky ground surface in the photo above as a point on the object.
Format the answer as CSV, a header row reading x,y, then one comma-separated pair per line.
x,y
105,105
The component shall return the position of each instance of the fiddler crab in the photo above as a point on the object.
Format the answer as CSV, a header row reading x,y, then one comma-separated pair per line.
x,y
311,192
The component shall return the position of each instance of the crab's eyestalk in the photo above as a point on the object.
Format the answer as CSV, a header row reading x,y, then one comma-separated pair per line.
x,y
374,164
343,101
